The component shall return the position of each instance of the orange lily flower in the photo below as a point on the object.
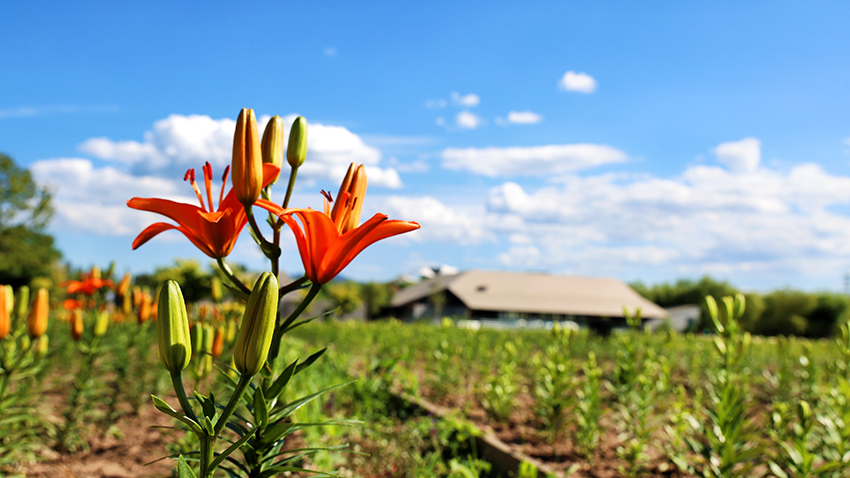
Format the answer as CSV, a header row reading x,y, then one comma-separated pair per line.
x,y
89,284
214,232
328,241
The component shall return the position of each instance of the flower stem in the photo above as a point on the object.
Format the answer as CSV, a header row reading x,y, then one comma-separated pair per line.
x,y
241,386
230,275
177,383
281,328
289,187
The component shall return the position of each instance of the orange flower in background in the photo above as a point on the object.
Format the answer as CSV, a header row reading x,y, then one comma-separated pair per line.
x,y
37,320
328,241
89,284
5,319
123,286
71,304
144,312
218,342
213,231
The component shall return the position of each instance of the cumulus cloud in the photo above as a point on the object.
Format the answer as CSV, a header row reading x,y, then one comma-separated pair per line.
x,y
467,120
82,192
440,222
706,219
578,82
524,117
180,142
469,100
531,160
740,156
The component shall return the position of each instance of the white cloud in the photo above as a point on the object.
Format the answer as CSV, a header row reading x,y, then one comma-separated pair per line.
x,y
440,121
439,222
469,100
740,156
524,117
329,51
176,143
578,82
90,199
467,120
708,219
180,142
531,160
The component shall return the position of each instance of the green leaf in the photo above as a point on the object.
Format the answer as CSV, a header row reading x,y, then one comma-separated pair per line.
x,y
310,360
277,387
235,446
166,409
296,404
183,469
261,411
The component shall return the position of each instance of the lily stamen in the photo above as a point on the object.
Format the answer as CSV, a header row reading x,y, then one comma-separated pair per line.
x,y
223,183
208,183
190,176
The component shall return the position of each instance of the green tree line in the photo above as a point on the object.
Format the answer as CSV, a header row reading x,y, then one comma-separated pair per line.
x,y
780,312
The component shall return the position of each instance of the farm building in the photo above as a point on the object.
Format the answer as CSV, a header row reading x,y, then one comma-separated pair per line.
x,y
510,296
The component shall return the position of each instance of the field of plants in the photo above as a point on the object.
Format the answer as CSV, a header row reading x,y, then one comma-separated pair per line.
x,y
633,404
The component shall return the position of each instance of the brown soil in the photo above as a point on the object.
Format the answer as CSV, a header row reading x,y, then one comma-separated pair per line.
x,y
122,453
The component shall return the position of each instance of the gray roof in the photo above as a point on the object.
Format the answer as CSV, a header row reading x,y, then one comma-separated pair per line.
x,y
534,293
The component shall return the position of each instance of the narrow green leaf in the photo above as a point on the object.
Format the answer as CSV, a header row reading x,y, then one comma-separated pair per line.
x,y
183,469
278,385
261,411
235,446
310,360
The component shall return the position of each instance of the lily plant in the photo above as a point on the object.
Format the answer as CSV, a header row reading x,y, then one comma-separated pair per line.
x,y
327,242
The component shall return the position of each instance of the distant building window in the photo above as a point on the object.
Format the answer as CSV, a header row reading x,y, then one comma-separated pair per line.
x,y
482,288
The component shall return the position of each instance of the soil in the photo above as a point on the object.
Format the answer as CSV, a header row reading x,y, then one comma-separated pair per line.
x,y
122,453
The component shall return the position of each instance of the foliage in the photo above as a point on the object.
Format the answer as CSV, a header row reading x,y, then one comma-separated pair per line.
x,y
26,251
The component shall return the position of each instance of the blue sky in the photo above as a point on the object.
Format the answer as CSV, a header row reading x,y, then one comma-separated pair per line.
x,y
646,141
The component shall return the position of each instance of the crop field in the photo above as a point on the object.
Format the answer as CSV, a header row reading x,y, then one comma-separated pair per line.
x,y
632,404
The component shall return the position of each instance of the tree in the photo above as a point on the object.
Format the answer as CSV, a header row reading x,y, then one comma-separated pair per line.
x,y
195,283
26,251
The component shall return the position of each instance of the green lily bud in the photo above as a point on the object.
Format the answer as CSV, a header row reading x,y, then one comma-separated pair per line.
x,y
197,338
22,300
41,346
209,332
711,305
9,296
255,333
740,305
175,349
215,289
101,324
296,153
230,336
273,143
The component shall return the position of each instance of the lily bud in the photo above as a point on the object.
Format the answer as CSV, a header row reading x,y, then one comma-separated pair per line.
x,y
144,312
255,333
37,322
9,296
175,347
216,289
218,342
76,324
197,337
296,152
23,301
102,323
231,331
95,272
5,319
273,143
127,305
41,346
247,166
124,286
209,334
